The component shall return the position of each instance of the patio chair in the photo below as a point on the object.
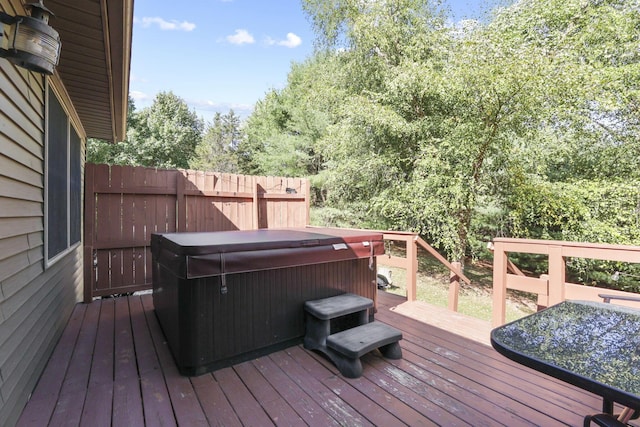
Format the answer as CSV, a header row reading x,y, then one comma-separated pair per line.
x,y
608,419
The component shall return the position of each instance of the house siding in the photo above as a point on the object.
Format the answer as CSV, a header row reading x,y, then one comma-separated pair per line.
x,y
35,303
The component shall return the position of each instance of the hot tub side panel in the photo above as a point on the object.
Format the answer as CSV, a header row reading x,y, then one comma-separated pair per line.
x,y
260,311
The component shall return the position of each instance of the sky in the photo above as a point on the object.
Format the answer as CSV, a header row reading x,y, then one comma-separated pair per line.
x,y
219,55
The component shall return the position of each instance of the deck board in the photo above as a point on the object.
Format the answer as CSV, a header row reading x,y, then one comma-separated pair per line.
x,y
45,396
276,407
74,388
214,403
303,405
245,405
112,366
335,406
155,395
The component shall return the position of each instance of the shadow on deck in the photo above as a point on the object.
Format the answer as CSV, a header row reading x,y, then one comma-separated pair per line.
x,y
112,366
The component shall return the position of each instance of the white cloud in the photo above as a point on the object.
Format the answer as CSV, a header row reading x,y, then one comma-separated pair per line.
x,y
138,96
134,78
216,106
292,40
173,25
206,108
241,37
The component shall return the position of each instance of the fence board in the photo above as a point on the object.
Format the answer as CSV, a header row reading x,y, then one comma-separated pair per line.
x,y
124,205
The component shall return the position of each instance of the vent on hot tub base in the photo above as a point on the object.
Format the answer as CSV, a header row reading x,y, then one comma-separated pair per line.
x,y
345,347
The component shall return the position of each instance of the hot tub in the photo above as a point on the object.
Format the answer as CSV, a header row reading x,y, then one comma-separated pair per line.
x,y
225,297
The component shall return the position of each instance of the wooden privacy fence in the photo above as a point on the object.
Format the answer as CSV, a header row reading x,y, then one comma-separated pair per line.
x,y
124,205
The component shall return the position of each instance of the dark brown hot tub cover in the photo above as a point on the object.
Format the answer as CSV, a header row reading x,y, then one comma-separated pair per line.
x,y
194,255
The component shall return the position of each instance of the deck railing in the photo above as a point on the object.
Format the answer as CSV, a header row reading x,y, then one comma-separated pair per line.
x,y
412,242
551,288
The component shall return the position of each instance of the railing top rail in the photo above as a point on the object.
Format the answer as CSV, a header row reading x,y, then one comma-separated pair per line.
x,y
385,232
587,245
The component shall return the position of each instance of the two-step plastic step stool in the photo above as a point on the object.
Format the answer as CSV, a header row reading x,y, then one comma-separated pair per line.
x,y
345,347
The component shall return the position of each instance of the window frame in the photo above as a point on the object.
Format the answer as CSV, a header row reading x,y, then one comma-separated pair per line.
x,y
70,131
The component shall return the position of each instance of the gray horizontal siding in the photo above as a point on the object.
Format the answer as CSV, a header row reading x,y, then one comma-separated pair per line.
x,y
34,332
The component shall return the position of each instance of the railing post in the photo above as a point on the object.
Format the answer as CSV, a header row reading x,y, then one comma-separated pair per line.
x,y
412,268
543,300
557,273
454,287
499,284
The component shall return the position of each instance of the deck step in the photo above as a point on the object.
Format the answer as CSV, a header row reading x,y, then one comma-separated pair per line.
x,y
337,306
356,342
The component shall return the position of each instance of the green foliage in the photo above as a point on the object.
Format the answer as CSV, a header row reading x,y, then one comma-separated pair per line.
x,y
527,125
583,211
590,211
99,151
162,135
217,149
166,134
282,132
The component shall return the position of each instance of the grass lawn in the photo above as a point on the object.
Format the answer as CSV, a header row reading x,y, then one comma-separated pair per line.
x,y
475,300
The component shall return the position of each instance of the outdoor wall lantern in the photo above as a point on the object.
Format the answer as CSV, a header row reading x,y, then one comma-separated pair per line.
x,y
28,41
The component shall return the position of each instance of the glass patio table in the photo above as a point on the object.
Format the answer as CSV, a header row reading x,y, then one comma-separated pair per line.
x,y
594,346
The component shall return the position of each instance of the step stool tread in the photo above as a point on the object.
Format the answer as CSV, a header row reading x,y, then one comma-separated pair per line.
x,y
360,340
339,305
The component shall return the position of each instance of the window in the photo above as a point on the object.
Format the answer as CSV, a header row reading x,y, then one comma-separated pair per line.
x,y
63,181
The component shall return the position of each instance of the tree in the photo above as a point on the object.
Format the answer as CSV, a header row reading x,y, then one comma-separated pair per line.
x,y
282,133
100,151
437,121
217,149
162,135
166,134
413,135
595,92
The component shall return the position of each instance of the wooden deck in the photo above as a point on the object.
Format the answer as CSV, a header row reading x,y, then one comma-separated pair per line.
x,y
112,366
443,318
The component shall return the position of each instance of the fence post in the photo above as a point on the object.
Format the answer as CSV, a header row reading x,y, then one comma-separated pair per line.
x,y
454,287
89,224
499,284
307,196
256,204
181,203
